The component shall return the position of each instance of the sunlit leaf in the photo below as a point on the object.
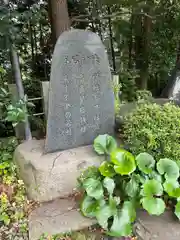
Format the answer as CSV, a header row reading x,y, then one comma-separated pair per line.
x,y
154,206
152,188
104,144
177,210
145,162
124,162
170,187
106,169
169,168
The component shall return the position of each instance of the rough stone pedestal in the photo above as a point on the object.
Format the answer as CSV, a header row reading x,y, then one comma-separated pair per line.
x,y
164,227
51,176
58,216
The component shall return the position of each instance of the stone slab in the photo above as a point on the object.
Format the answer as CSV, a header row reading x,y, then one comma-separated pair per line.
x,y
81,99
164,227
58,216
49,176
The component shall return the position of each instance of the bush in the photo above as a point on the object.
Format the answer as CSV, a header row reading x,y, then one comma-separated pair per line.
x,y
154,129
114,191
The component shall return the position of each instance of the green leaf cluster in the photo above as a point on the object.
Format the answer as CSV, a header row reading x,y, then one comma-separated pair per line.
x,y
154,129
124,182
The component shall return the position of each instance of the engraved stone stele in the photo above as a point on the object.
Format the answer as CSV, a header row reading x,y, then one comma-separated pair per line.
x,y
81,100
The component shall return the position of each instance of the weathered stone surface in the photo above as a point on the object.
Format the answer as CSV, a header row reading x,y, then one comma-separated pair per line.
x,y
163,227
175,91
81,100
49,176
58,216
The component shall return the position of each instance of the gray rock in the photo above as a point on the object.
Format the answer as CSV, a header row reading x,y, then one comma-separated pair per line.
x,y
163,227
49,176
56,217
81,100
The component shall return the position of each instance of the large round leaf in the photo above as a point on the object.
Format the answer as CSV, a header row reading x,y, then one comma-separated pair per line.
x,y
154,206
121,226
100,144
104,144
106,169
177,210
145,162
103,214
109,184
171,187
152,188
169,168
93,188
89,207
124,162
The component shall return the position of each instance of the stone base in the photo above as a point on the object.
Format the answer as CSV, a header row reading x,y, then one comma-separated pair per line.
x,y
51,176
59,216
164,227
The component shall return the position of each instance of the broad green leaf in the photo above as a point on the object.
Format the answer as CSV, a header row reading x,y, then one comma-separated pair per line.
x,y
169,168
111,144
109,184
152,188
93,188
113,203
121,225
89,206
176,193
103,214
139,178
104,144
124,162
145,162
177,210
5,218
170,187
106,169
132,187
131,209
154,206
100,144
156,176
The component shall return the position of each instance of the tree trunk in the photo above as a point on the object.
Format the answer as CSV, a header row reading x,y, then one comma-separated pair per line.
x,y
60,16
145,52
138,46
130,44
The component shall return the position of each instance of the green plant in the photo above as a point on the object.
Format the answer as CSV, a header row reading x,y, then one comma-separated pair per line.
x,y
154,129
128,84
122,183
116,90
13,200
17,112
143,95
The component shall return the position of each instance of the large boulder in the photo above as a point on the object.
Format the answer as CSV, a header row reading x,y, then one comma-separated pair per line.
x,y
54,175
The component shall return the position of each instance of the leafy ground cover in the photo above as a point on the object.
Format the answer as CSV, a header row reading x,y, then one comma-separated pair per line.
x,y
124,183
15,207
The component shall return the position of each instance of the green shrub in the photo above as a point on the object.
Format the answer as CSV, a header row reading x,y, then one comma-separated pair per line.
x,y
114,191
154,129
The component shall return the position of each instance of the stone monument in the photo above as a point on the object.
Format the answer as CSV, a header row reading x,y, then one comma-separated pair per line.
x,y
81,102
81,106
